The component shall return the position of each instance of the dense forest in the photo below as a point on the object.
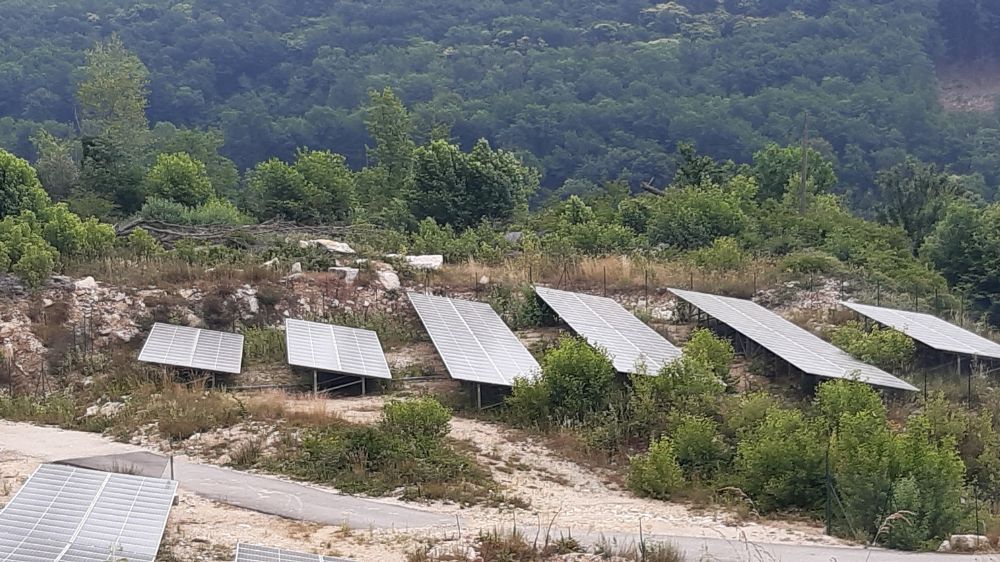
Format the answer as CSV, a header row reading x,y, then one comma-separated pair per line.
x,y
585,91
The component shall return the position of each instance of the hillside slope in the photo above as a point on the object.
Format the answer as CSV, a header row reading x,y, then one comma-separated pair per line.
x,y
592,90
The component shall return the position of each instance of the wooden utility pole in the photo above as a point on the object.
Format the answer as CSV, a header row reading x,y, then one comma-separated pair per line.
x,y
803,174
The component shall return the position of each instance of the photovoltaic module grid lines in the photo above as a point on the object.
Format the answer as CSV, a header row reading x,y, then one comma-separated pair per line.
x,y
66,514
606,324
804,350
930,331
193,348
473,341
253,553
335,349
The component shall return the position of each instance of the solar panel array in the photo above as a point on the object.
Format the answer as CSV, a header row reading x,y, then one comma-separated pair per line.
x,y
606,324
804,350
253,553
193,348
335,349
67,514
930,330
473,341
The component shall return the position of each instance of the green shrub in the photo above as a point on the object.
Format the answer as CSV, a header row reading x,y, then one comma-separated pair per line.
x,y
781,462
908,532
885,348
837,398
35,264
528,405
579,380
863,452
808,262
724,254
683,386
264,345
744,414
698,444
142,244
519,309
423,420
715,352
214,211
656,473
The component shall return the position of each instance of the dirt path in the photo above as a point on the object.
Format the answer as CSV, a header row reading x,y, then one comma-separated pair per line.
x,y
574,497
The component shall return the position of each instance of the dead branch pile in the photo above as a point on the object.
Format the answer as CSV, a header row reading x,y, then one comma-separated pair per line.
x,y
167,233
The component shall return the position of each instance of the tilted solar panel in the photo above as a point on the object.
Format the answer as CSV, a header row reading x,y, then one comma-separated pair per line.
x,y
193,348
253,553
473,341
336,349
804,350
67,514
930,330
606,324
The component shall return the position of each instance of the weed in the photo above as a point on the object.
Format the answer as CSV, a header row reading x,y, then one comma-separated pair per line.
x,y
246,453
264,345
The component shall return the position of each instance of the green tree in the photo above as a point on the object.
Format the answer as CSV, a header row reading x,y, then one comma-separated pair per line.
x,y
775,167
113,94
954,247
180,178
110,176
202,145
20,189
277,190
336,191
462,189
391,127
914,196
57,167
578,378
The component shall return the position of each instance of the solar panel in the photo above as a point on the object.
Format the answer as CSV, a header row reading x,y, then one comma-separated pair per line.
x,y
930,330
473,341
606,324
801,348
193,348
253,553
67,514
336,349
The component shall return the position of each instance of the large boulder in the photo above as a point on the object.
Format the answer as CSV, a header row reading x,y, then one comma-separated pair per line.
x,y
430,261
346,274
968,543
85,284
329,245
389,280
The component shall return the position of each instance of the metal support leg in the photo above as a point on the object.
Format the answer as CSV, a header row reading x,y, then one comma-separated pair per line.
x,y
479,396
364,390
315,384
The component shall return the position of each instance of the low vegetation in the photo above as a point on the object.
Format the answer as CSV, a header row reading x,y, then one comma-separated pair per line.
x,y
684,433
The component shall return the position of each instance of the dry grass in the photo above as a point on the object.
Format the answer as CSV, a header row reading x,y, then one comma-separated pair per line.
x,y
620,274
296,410
165,272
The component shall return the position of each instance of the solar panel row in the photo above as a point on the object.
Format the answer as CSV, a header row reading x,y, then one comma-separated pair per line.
x,y
335,349
66,514
629,342
254,553
804,350
930,331
193,348
473,341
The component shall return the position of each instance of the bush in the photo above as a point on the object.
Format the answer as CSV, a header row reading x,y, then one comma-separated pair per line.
x,y
579,380
527,405
519,309
863,451
724,254
744,414
264,345
910,531
423,420
182,412
838,398
214,211
141,243
885,348
808,262
781,463
714,352
698,444
35,264
684,386
656,473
